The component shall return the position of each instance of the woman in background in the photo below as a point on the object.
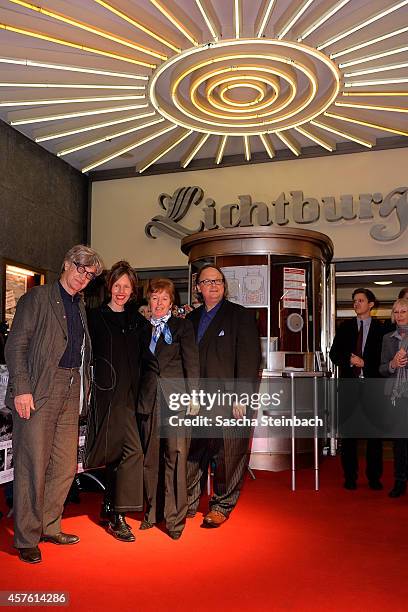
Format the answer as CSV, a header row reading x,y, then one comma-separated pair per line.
x,y
173,345
394,364
120,339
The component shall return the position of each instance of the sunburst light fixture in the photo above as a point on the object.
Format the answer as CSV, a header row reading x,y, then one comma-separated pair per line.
x,y
164,80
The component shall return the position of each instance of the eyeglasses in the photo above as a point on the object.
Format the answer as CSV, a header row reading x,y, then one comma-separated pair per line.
x,y
82,270
211,281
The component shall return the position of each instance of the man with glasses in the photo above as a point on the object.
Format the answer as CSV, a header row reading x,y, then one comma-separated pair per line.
x,y
48,355
229,350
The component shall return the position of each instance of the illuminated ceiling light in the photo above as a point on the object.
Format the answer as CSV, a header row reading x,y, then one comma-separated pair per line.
x,y
64,67
19,271
66,43
195,85
348,135
88,28
267,143
391,109
68,100
374,93
269,80
220,150
194,149
224,89
138,25
295,17
59,116
263,17
368,43
173,19
237,18
247,148
376,126
70,86
94,126
130,147
376,82
376,69
163,149
290,142
210,18
91,143
321,20
369,58
388,282
363,24
317,139
241,42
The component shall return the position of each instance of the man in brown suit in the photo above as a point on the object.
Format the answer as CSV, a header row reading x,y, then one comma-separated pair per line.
x,y
48,354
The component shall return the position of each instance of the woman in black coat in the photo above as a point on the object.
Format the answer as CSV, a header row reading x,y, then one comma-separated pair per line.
x,y
120,338
173,345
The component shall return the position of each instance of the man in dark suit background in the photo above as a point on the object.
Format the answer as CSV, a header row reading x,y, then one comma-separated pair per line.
x,y
356,350
229,349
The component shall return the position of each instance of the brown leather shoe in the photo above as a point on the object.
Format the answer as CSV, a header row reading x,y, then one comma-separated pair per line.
x,y
61,538
30,555
214,519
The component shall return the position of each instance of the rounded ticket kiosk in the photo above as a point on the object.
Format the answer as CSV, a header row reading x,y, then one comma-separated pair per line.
x,y
284,274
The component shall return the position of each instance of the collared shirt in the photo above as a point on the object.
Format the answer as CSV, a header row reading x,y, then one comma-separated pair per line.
x,y
366,329
72,355
206,318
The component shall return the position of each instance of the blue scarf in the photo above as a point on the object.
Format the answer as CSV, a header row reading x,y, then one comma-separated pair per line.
x,y
160,327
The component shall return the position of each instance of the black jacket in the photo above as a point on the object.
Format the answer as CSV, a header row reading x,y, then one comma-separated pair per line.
x,y
345,342
230,348
177,361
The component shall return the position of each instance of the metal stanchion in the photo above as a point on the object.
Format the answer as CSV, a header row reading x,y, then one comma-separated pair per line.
x,y
315,376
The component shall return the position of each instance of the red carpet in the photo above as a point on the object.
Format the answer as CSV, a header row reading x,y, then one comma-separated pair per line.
x,y
332,550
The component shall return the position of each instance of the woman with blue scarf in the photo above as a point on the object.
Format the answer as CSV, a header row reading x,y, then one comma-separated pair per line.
x,y
394,364
173,345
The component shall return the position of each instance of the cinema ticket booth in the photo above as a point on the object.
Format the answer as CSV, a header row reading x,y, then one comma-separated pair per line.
x,y
284,274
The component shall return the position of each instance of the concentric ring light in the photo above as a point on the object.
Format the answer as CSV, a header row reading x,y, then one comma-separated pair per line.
x,y
212,78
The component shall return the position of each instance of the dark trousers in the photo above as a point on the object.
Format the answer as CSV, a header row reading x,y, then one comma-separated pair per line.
x,y
165,474
124,477
45,461
230,456
400,447
349,459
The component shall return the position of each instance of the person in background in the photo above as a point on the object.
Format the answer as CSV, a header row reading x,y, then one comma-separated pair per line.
x,y
172,343
47,354
356,350
228,342
403,294
394,364
120,340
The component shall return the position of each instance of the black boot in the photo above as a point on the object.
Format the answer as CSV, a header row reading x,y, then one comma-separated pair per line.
x,y
400,487
106,510
119,528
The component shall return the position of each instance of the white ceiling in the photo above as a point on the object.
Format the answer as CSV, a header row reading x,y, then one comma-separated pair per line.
x,y
23,26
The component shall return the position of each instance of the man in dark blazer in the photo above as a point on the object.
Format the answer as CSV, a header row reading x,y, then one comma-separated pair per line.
x,y
356,350
48,354
229,349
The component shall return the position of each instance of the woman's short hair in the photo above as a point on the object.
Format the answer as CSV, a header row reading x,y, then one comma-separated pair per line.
x,y
161,284
85,256
214,267
119,269
399,302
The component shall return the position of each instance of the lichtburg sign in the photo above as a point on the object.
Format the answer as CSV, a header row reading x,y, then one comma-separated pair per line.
x,y
296,209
